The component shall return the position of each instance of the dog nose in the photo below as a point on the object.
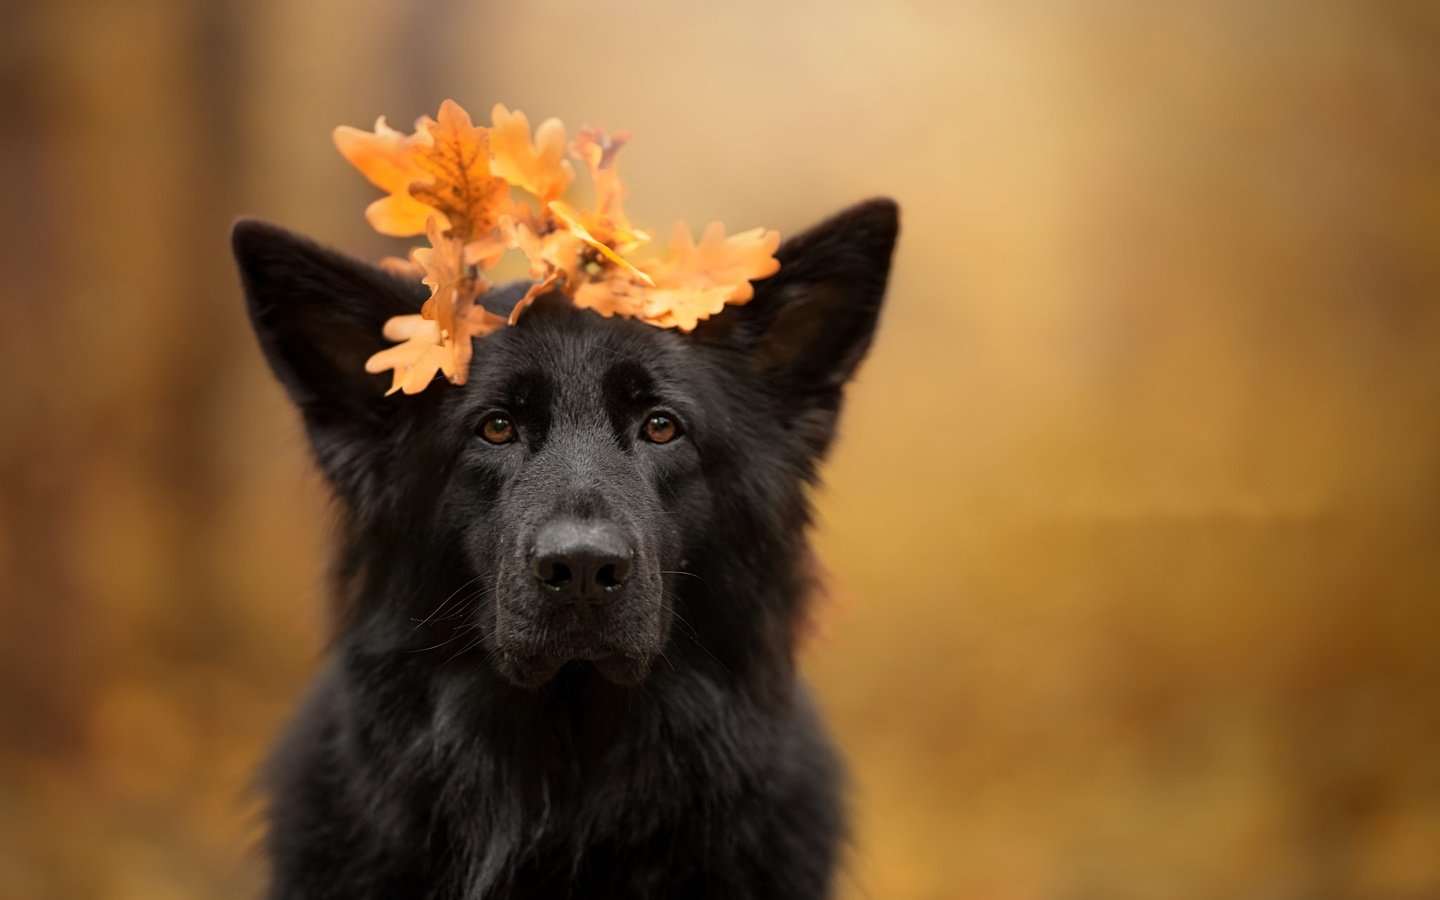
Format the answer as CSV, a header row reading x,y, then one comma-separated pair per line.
x,y
577,560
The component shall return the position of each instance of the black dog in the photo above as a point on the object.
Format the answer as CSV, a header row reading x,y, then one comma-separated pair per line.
x,y
569,591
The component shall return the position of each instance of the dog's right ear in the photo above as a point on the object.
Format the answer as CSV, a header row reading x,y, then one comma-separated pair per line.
x,y
318,315
810,324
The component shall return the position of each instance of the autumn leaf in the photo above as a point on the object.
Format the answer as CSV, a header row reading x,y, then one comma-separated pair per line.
x,y
551,252
458,182
537,166
425,352
387,158
451,181
439,338
417,359
615,295
538,289
554,258
442,170
454,288
443,269
572,223
717,260
697,281
607,223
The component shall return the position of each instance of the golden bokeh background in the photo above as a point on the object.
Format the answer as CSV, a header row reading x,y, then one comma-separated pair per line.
x,y
1134,526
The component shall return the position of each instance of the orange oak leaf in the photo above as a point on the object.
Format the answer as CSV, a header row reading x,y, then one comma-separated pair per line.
x,y
681,307
486,251
697,281
444,272
387,158
556,251
572,222
417,359
459,185
451,181
554,258
615,295
608,222
454,287
538,289
537,166
424,351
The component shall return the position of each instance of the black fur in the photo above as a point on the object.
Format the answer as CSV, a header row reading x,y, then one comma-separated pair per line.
x,y
472,737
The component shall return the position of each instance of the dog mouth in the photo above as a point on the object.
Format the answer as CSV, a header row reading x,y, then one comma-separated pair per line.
x,y
538,669
534,638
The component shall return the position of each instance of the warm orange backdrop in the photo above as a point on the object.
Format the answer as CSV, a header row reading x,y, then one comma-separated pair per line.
x,y
1135,521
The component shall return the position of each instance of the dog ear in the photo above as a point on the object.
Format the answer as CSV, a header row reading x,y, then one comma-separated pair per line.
x,y
809,325
318,315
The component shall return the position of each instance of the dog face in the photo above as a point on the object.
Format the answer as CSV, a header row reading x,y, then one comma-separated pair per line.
x,y
566,506
580,476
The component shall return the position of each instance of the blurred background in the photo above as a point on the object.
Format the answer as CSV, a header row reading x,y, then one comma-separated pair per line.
x,y
1134,526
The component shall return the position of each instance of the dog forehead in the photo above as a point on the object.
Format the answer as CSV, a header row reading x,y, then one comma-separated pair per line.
x,y
577,359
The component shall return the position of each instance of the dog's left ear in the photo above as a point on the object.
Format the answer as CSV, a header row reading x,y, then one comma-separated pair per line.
x,y
809,325
319,315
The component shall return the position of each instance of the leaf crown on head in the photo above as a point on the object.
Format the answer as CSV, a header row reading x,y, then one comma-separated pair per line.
x,y
455,182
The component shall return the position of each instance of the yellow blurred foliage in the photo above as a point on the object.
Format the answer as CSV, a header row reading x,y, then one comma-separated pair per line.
x,y
1134,527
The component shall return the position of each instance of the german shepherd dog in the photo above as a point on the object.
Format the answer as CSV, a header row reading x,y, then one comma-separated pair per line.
x,y
569,591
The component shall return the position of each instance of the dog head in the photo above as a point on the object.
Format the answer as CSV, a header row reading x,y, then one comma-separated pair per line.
x,y
571,502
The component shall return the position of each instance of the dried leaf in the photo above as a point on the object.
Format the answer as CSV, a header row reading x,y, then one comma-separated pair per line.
x,y
415,361
718,260
441,182
458,182
553,253
697,281
554,258
538,289
454,287
447,276
612,296
423,350
571,220
608,222
537,166
486,251
387,158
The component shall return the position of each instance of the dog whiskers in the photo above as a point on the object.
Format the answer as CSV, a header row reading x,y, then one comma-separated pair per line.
x,y
446,602
458,631
689,631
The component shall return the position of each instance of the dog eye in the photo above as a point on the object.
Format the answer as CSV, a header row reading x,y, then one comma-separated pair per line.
x,y
660,429
497,429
